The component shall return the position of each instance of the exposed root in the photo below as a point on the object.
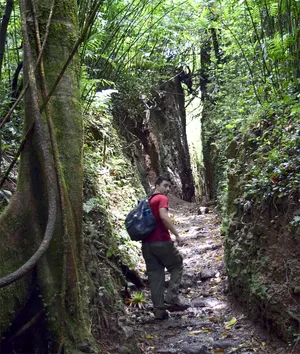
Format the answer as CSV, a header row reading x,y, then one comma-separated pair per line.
x,y
27,326
46,156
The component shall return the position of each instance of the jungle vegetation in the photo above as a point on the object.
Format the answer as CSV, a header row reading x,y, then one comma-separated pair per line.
x,y
242,58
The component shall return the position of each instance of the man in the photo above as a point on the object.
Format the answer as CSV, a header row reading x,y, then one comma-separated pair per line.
x,y
159,253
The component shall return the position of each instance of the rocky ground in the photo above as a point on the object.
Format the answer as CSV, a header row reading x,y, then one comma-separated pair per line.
x,y
214,323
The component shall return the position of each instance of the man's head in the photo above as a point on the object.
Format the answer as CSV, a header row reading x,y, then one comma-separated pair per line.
x,y
162,185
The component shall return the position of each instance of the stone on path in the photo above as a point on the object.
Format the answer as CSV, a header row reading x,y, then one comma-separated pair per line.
x,y
203,210
195,349
199,303
207,274
225,343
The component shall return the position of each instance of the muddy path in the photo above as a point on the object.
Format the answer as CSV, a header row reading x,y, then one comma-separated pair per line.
x,y
213,323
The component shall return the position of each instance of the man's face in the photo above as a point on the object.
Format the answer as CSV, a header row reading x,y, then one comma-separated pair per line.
x,y
164,187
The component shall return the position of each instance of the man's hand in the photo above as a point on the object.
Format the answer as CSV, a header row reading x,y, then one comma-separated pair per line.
x,y
164,216
179,240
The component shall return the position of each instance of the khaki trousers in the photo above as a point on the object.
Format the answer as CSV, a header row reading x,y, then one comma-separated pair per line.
x,y
158,256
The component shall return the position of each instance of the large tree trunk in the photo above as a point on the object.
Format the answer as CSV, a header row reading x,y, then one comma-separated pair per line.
x,y
3,30
45,311
205,57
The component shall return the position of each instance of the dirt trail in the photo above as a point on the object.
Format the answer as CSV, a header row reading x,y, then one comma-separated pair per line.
x,y
213,324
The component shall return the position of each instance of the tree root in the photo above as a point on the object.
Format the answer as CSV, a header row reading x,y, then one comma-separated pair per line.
x,y
52,186
27,326
46,156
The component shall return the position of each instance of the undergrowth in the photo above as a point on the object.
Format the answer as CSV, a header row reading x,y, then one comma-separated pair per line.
x,y
111,184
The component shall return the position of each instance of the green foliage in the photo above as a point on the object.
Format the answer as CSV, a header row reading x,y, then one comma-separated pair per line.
x,y
251,129
273,145
140,43
259,289
296,221
138,300
11,133
252,95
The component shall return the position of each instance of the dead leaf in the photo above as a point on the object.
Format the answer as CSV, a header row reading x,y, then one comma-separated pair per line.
x,y
231,323
170,335
195,332
206,329
148,336
213,319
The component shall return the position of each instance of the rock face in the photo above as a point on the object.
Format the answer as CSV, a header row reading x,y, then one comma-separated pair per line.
x,y
167,124
262,255
157,136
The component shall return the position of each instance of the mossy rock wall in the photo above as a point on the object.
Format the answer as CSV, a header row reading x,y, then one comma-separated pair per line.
x,y
111,188
262,251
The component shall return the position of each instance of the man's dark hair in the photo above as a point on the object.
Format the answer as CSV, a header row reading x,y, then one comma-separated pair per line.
x,y
160,179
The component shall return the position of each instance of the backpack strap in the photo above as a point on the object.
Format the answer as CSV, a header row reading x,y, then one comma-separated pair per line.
x,y
152,195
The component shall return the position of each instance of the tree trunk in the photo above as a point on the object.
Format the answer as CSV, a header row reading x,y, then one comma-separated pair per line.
x,y
46,311
3,30
207,158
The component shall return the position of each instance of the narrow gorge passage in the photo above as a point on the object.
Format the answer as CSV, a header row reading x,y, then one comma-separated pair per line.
x,y
213,323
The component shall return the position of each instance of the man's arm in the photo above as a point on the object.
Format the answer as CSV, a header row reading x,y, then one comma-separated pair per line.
x,y
164,216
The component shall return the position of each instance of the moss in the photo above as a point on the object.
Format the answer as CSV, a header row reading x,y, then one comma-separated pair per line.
x,y
14,237
11,299
66,10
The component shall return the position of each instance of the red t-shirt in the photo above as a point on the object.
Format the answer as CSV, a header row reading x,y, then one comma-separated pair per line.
x,y
160,233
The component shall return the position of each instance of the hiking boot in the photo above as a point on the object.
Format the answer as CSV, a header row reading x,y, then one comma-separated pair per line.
x,y
177,306
162,316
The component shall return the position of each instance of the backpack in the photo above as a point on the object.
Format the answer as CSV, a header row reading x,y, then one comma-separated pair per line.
x,y
140,221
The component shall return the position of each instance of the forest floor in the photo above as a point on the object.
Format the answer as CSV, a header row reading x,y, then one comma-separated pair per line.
x,y
214,323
